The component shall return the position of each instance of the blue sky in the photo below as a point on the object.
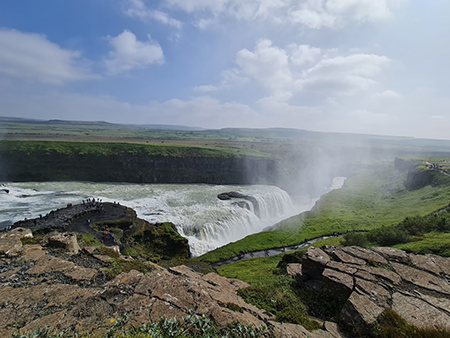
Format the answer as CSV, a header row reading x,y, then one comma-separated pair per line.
x,y
361,66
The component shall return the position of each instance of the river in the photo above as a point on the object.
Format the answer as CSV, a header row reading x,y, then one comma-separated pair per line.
x,y
199,215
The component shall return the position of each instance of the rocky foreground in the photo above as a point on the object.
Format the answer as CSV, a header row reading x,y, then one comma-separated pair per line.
x,y
61,284
370,280
44,285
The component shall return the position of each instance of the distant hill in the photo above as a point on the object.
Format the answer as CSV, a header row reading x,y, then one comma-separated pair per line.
x,y
168,127
6,119
65,128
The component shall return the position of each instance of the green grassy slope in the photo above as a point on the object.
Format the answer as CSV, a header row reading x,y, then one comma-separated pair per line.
x,y
370,199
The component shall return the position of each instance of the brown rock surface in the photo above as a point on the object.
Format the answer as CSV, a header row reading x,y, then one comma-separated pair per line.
x,y
416,286
66,240
294,270
314,262
50,287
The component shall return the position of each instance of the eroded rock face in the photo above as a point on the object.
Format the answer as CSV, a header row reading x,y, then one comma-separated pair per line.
x,y
415,286
67,240
41,286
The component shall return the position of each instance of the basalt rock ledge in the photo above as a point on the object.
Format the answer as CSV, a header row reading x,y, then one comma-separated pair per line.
x,y
370,280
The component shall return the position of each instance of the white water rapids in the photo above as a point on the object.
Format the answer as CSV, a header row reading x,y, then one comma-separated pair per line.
x,y
198,214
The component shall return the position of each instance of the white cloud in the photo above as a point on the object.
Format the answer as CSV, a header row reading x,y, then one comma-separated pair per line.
x,y
129,53
140,10
335,13
343,75
198,5
387,94
206,88
34,58
267,64
308,69
205,23
303,54
310,13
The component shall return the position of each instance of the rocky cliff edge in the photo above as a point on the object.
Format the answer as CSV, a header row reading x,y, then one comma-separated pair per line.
x,y
371,280
63,286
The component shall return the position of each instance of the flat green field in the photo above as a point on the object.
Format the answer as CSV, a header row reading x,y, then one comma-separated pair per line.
x,y
113,148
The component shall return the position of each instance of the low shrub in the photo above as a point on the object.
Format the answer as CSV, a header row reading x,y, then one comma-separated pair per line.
x,y
356,239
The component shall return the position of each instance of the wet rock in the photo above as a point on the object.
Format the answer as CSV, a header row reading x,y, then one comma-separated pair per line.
x,y
234,194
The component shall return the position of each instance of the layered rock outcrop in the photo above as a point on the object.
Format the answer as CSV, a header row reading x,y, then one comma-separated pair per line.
x,y
370,280
40,286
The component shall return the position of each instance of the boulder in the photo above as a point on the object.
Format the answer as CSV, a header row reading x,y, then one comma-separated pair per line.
x,y
67,240
314,262
10,246
359,311
19,233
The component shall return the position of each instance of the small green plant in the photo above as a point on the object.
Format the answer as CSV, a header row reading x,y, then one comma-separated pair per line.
x,y
103,250
232,306
191,325
118,266
391,325
90,240
31,240
45,333
281,300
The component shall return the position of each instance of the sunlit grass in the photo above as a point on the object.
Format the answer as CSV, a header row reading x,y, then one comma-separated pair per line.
x,y
370,199
431,243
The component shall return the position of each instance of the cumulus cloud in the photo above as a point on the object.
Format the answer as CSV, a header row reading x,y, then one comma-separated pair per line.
x,y
267,64
303,54
308,69
129,53
32,57
140,10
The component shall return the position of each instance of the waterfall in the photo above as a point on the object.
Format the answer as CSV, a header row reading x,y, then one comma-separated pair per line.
x,y
198,214
234,221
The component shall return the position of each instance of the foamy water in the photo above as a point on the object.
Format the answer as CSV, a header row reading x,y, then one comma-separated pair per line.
x,y
199,215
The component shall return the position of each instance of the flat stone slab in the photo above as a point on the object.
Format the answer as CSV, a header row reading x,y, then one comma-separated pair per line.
x,y
419,312
422,279
416,286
